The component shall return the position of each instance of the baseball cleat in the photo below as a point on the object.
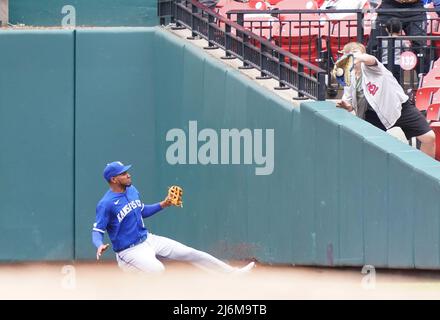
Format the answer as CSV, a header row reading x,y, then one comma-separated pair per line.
x,y
245,269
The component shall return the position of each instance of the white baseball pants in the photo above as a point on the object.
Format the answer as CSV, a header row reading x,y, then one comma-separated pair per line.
x,y
143,256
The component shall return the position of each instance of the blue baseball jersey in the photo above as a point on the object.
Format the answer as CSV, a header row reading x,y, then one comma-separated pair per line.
x,y
121,215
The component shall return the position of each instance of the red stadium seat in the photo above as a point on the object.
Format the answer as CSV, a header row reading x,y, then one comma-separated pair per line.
x,y
343,32
432,78
424,97
228,5
432,114
301,40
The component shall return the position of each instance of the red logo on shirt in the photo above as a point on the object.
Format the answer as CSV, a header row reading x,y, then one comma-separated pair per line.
x,y
372,88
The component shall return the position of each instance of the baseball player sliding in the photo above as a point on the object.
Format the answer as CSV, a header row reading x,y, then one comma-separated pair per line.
x,y
120,212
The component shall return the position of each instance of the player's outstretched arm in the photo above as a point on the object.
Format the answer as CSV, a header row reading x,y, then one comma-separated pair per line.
x,y
171,199
101,250
150,209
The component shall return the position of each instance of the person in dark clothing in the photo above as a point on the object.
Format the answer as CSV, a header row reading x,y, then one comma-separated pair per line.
x,y
413,23
394,28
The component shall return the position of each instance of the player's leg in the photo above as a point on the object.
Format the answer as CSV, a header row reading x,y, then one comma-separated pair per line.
x,y
171,249
140,258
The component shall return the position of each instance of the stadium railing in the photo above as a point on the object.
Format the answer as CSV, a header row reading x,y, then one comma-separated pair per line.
x,y
254,51
318,36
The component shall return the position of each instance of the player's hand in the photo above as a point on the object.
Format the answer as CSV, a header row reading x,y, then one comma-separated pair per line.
x,y
101,250
344,105
166,202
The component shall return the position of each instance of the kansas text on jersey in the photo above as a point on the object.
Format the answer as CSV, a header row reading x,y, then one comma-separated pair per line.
x,y
121,215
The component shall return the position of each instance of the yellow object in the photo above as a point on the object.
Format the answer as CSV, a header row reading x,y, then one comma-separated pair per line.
x,y
342,69
175,194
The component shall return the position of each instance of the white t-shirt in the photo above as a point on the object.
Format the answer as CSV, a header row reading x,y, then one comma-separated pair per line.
x,y
382,91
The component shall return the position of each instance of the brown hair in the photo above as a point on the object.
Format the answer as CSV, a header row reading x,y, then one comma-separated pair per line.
x,y
354,45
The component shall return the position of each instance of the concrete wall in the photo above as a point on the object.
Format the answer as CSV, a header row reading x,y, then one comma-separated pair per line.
x,y
342,192
36,139
88,12
114,117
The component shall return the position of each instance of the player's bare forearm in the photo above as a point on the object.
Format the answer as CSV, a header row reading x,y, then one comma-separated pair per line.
x,y
165,203
101,250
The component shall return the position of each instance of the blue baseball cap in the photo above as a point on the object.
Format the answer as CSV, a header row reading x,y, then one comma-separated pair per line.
x,y
114,168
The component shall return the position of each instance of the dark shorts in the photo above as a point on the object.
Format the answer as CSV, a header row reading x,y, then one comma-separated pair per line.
x,y
411,121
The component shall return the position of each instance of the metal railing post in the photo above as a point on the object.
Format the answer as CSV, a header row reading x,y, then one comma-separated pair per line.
x,y
174,8
322,88
240,21
244,43
281,85
263,75
391,49
360,27
228,31
301,82
211,45
194,11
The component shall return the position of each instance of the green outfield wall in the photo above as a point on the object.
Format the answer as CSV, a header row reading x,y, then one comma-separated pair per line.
x,y
133,13
36,139
342,193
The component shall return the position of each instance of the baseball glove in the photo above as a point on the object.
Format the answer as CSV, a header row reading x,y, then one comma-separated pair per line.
x,y
342,69
175,195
